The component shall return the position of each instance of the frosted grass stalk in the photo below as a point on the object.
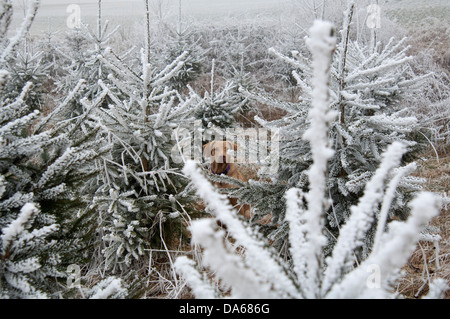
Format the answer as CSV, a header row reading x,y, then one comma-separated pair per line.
x,y
256,252
201,289
387,201
355,229
396,247
321,43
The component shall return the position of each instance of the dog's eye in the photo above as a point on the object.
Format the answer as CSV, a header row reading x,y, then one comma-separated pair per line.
x,y
213,151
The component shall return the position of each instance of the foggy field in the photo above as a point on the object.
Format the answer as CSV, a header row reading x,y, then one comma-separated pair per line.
x,y
53,12
53,15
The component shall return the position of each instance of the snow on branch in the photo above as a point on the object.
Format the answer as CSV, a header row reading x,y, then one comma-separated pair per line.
x,y
299,237
229,266
170,70
200,288
6,12
79,87
21,32
387,65
322,44
16,125
110,287
354,231
26,216
295,63
72,155
257,254
11,110
21,253
387,201
395,248
3,79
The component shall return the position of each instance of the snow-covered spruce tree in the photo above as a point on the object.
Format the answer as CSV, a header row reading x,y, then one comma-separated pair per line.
x,y
81,52
28,66
24,65
48,45
44,169
309,274
140,199
218,107
181,41
242,80
365,88
23,247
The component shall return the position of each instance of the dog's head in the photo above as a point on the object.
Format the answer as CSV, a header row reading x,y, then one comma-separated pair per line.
x,y
219,151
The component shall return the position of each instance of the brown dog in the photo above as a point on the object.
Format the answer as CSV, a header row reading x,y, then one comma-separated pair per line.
x,y
221,163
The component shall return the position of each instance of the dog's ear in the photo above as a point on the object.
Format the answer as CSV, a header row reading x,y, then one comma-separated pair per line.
x,y
232,145
207,149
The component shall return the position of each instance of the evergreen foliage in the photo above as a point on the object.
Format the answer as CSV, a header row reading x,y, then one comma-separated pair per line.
x,y
81,60
29,258
309,274
218,109
44,168
366,88
140,190
28,67
193,63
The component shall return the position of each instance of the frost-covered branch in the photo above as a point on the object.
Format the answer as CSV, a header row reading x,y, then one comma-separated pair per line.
x,y
110,287
21,255
21,32
187,268
322,44
61,106
279,283
354,231
395,248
